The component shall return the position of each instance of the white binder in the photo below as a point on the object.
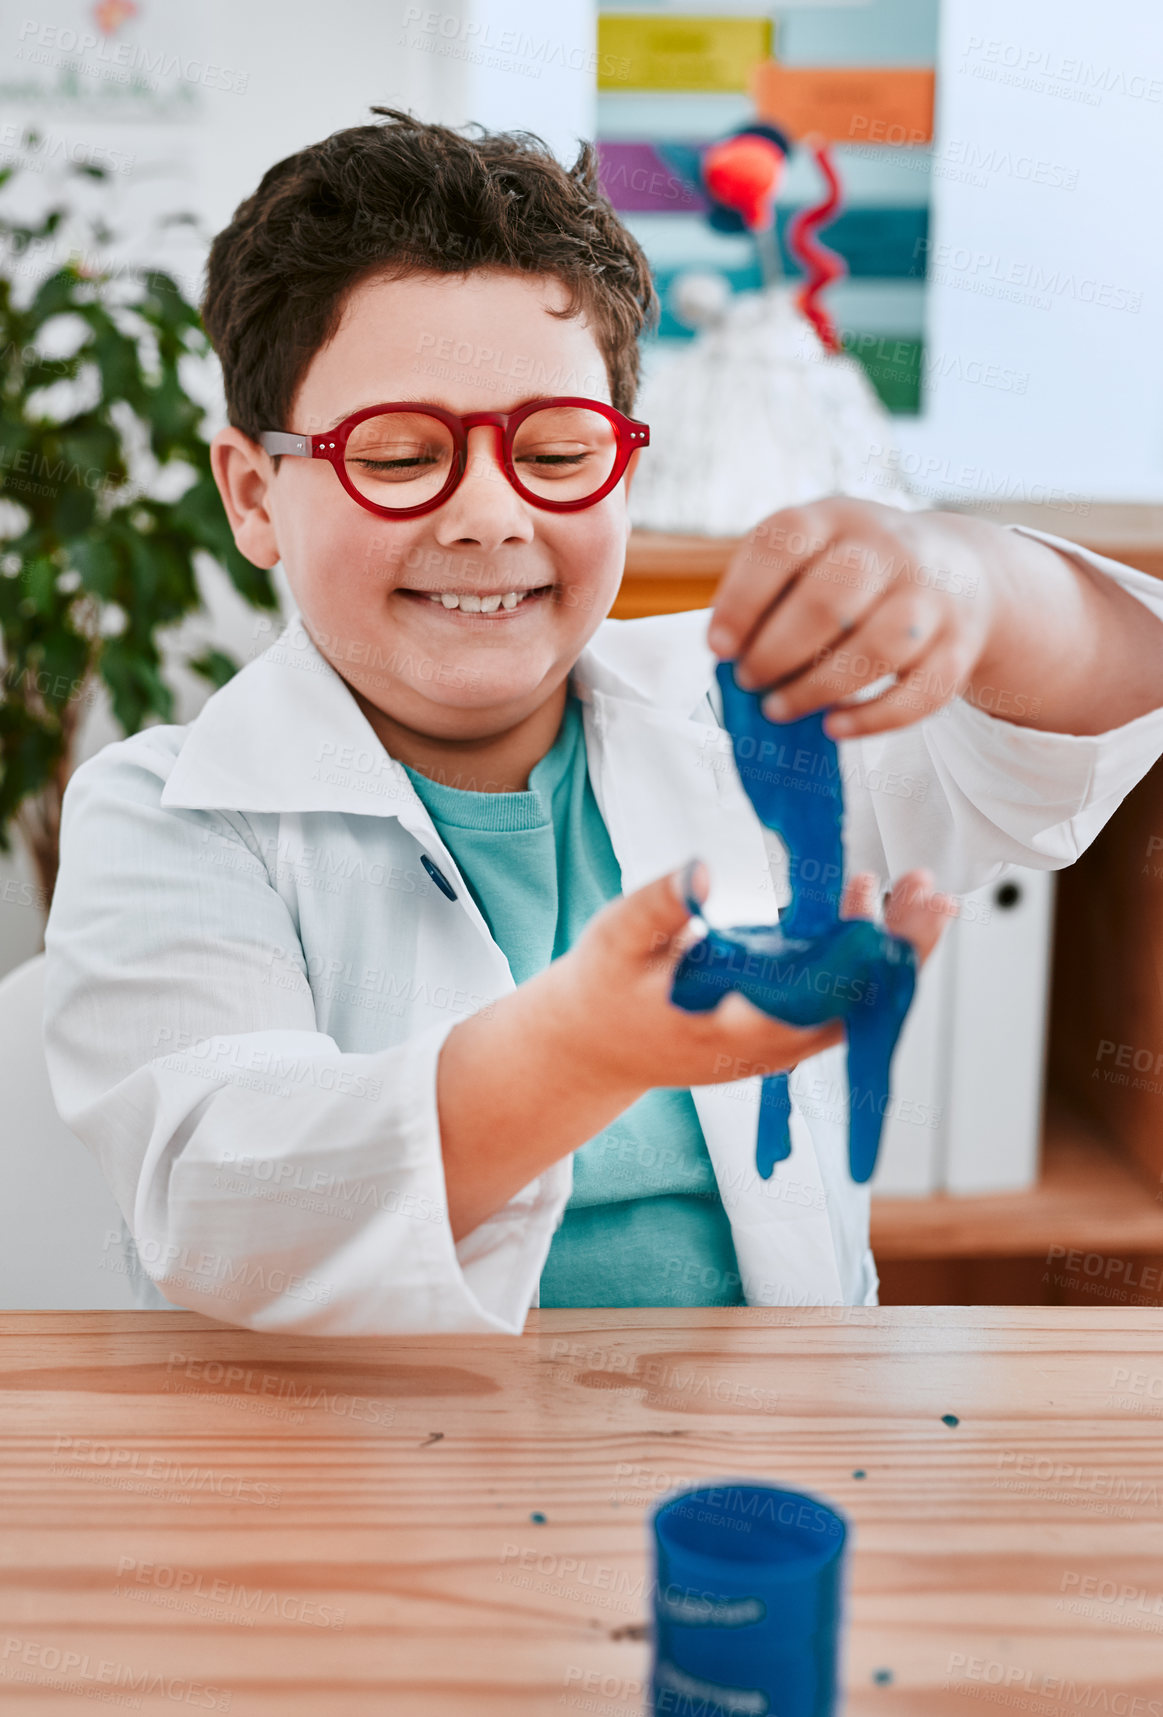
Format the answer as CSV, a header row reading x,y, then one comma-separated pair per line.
x,y
1001,986
965,1113
912,1146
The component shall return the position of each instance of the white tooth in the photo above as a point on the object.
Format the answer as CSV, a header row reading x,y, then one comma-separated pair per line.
x,y
469,602
510,599
490,604
450,601
433,596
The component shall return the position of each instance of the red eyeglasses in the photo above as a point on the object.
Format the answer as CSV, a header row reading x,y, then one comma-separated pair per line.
x,y
405,459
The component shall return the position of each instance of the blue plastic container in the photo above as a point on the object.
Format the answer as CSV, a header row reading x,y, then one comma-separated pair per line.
x,y
747,1603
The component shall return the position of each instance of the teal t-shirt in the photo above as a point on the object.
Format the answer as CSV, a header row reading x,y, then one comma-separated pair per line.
x,y
644,1225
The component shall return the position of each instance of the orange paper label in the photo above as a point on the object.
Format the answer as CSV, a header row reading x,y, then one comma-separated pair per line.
x,y
847,104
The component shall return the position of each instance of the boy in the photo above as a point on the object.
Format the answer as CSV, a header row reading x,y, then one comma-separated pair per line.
x,y
323,991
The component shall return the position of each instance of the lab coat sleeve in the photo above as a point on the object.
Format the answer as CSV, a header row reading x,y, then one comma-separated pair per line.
x,y
269,1180
967,793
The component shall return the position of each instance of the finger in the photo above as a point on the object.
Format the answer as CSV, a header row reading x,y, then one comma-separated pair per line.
x,y
924,686
647,921
917,912
835,597
912,887
759,574
861,540
892,636
859,898
761,1044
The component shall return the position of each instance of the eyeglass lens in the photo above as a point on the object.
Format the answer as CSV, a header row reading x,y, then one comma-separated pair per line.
x,y
403,458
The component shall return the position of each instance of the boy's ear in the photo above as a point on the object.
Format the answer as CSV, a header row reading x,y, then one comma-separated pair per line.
x,y
243,473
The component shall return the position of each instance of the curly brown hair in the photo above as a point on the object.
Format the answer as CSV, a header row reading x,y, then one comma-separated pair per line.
x,y
403,198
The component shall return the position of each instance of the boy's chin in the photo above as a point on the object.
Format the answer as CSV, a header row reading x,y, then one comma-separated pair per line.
x,y
466,688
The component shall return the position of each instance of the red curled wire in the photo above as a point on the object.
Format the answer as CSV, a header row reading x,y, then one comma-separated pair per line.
x,y
820,264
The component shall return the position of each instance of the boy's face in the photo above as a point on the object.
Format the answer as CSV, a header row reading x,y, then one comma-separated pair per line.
x,y
484,341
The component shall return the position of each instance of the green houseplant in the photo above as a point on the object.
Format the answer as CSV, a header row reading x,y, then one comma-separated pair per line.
x,y
94,563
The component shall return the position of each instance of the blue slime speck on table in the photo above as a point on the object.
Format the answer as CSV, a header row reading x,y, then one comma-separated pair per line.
x,y
813,966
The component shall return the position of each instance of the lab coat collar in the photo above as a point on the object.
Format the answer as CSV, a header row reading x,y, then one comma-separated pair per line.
x,y
286,733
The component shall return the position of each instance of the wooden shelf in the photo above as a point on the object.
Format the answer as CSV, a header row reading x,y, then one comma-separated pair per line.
x,y
669,574
1087,1196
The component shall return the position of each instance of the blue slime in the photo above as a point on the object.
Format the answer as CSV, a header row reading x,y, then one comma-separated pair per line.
x,y
813,966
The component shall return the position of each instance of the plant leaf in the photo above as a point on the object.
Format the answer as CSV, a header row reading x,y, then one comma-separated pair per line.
x,y
215,666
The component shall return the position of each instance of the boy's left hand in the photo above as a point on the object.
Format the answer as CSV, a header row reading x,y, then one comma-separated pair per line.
x,y
823,599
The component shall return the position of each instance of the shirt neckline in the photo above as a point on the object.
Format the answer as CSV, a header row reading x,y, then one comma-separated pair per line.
x,y
507,812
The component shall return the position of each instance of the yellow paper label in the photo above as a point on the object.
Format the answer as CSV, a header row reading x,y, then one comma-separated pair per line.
x,y
680,53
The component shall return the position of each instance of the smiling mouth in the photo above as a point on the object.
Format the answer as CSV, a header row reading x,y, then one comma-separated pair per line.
x,y
481,605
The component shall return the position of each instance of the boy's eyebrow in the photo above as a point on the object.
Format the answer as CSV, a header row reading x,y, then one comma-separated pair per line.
x,y
400,399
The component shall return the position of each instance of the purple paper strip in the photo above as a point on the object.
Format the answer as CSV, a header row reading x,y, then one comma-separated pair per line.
x,y
638,181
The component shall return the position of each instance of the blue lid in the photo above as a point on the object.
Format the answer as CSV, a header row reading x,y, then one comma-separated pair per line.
x,y
747,1600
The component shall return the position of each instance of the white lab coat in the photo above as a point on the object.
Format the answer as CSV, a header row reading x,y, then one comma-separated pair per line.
x,y
250,974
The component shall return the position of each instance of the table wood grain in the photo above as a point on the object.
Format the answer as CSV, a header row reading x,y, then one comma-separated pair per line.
x,y
210,1518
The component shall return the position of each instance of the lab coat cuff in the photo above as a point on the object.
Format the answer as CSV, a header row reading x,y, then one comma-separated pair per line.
x,y
498,1264
1121,756
399,1268
503,1257
1066,776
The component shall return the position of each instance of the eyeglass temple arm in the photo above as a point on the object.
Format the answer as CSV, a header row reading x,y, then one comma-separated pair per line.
x,y
281,441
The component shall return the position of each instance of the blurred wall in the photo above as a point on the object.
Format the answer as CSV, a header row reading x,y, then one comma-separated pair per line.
x,y
1046,258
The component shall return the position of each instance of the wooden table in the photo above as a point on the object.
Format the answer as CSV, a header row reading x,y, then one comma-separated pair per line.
x,y
457,1525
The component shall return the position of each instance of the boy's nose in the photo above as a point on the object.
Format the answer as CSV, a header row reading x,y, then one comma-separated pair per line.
x,y
484,455
484,508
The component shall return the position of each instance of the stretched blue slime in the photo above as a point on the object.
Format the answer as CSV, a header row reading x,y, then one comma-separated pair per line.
x,y
813,966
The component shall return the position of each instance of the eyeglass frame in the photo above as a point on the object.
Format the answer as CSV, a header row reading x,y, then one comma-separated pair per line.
x,y
332,446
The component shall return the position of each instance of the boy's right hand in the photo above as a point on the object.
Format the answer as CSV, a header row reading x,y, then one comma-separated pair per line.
x,y
614,987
